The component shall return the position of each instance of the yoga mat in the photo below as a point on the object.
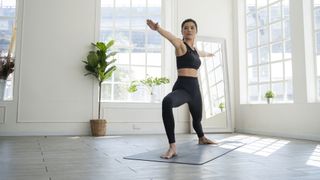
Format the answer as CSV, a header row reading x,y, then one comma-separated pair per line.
x,y
189,153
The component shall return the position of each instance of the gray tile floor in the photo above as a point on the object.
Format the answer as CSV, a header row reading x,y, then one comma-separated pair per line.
x,y
89,158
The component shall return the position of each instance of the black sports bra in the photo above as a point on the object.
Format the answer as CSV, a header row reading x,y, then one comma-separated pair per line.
x,y
189,60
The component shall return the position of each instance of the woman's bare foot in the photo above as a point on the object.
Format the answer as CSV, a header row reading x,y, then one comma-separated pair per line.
x,y
203,140
172,151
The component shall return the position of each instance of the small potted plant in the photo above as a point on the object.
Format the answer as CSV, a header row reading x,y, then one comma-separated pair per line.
x,y
269,95
221,106
149,83
98,66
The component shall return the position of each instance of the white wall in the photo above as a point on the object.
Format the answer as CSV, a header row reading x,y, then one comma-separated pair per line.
x,y
51,95
298,120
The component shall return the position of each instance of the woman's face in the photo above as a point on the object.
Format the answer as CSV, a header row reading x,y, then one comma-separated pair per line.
x,y
189,30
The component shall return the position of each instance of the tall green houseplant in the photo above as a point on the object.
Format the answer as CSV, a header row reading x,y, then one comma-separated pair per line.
x,y
98,66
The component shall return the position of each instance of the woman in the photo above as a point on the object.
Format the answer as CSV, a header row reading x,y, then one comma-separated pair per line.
x,y
186,89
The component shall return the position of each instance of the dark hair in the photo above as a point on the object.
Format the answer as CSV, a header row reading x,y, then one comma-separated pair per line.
x,y
189,20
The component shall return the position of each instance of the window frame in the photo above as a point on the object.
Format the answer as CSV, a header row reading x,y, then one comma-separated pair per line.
x,y
257,47
130,49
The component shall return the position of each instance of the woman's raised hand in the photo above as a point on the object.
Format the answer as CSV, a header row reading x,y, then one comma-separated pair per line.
x,y
154,26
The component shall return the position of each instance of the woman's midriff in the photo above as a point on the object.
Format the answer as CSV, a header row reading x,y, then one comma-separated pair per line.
x,y
190,72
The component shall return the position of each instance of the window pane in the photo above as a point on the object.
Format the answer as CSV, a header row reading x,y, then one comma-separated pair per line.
x,y
122,58
217,59
264,73
122,38
272,1
138,23
106,17
287,32
318,43
138,7
121,74
154,59
209,65
106,35
219,74
253,74
278,89
276,52
276,32
288,70
106,91
251,6
252,57
251,20
138,58
285,8
277,71
154,6
138,39
263,89
120,92
253,93
212,78
252,39
262,17
317,18
106,3
154,40
316,3
154,71
122,22
263,55
263,36
287,50
275,12
138,72
289,91
220,88
261,3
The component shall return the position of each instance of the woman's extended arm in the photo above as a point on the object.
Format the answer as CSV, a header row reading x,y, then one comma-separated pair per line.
x,y
205,54
176,42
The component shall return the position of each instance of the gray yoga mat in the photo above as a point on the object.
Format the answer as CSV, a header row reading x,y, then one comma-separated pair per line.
x,y
190,153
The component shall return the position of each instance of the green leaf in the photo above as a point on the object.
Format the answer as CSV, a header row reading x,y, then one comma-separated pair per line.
x,y
109,44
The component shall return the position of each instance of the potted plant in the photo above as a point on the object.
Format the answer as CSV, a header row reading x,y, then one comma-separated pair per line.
x,y
97,65
221,106
269,95
149,83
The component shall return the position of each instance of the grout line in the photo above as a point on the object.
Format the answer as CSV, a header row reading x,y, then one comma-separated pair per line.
x,y
132,170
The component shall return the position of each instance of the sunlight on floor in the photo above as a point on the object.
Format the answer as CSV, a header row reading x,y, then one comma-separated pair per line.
x,y
255,145
314,159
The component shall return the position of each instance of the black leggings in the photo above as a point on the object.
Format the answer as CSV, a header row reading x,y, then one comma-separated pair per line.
x,y
185,90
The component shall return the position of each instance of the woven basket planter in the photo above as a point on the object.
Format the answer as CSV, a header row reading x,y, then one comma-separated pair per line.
x,y
98,127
